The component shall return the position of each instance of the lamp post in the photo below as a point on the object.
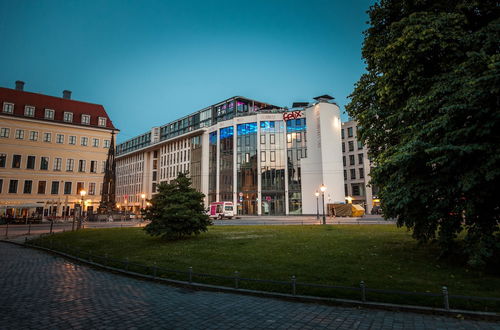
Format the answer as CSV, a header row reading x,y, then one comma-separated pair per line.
x,y
317,204
323,189
143,196
82,207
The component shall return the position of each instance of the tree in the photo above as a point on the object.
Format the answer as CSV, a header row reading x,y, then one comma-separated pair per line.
x,y
428,110
177,210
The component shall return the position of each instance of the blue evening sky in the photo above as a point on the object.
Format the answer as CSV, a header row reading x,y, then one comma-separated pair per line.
x,y
150,62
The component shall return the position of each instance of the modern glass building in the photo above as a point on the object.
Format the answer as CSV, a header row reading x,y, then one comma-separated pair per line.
x,y
266,159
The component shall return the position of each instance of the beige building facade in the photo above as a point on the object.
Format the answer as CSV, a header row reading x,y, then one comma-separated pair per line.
x,y
50,149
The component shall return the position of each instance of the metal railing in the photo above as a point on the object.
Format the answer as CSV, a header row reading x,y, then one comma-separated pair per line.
x,y
293,286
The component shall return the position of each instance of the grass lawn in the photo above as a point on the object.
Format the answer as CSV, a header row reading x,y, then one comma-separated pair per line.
x,y
383,256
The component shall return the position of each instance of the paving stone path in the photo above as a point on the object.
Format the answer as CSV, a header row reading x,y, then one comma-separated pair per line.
x,y
41,291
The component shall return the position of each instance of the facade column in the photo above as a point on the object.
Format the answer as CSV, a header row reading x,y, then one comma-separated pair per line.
x,y
235,164
284,154
217,185
259,174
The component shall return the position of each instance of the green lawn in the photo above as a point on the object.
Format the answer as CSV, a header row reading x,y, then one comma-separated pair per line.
x,y
383,256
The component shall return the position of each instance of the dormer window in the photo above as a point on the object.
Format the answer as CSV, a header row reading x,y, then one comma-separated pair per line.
x,y
68,117
86,119
8,107
49,114
102,121
29,111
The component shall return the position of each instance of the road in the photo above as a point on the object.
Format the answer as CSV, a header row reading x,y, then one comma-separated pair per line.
x,y
43,291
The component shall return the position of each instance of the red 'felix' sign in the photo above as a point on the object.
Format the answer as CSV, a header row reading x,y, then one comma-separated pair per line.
x,y
292,115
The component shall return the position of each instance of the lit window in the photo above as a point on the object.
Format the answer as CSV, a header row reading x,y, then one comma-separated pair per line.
x,y
86,119
57,164
29,111
49,114
70,164
3,160
8,107
102,121
68,117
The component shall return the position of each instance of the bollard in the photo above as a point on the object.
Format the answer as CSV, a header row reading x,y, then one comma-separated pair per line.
x,y
190,274
294,285
445,298
7,230
126,263
363,291
155,270
236,279
29,228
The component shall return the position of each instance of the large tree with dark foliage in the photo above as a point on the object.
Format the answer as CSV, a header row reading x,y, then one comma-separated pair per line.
x,y
428,110
177,210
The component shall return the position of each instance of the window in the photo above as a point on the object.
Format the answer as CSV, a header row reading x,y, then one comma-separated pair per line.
x,y
351,159
343,161
41,187
360,145
351,145
356,191
16,161
107,143
79,187
289,138
30,164
54,189
8,108
28,184
349,132
49,114
92,188
262,139
262,156
57,164
84,141
345,175
272,156
361,173
68,117
67,188
60,138
343,147
102,121
342,133
86,119
299,137
95,142
1,185
272,139
13,187
353,173
360,158
70,164
44,163
72,139
93,166
4,132
103,166
19,134
81,165
33,136
3,160
47,137
29,111
299,154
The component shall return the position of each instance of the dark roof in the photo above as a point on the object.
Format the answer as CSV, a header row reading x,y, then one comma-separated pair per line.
x,y
300,104
324,97
20,99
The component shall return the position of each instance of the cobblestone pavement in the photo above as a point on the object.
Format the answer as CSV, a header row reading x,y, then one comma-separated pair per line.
x,y
41,291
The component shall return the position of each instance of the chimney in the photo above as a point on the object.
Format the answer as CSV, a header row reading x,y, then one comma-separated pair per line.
x,y
67,94
19,85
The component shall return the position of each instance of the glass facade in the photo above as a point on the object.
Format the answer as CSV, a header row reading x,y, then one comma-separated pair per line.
x,y
296,150
226,164
212,167
195,162
246,168
272,167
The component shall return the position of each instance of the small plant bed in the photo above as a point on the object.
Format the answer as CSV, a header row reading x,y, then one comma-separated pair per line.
x,y
384,257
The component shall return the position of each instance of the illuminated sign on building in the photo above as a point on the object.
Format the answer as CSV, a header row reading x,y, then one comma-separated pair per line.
x,y
292,115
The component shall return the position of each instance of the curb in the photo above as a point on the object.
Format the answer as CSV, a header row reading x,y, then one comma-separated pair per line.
x,y
454,313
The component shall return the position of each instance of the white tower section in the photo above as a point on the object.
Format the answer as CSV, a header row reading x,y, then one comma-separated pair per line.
x,y
323,164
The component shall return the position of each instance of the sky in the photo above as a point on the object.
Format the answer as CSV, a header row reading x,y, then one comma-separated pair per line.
x,y
150,62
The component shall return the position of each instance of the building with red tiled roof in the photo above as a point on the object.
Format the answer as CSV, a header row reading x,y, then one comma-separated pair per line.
x,y
51,148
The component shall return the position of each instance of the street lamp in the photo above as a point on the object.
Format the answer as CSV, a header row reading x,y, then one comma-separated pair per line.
x,y
323,189
143,196
82,207
317,204
349,199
